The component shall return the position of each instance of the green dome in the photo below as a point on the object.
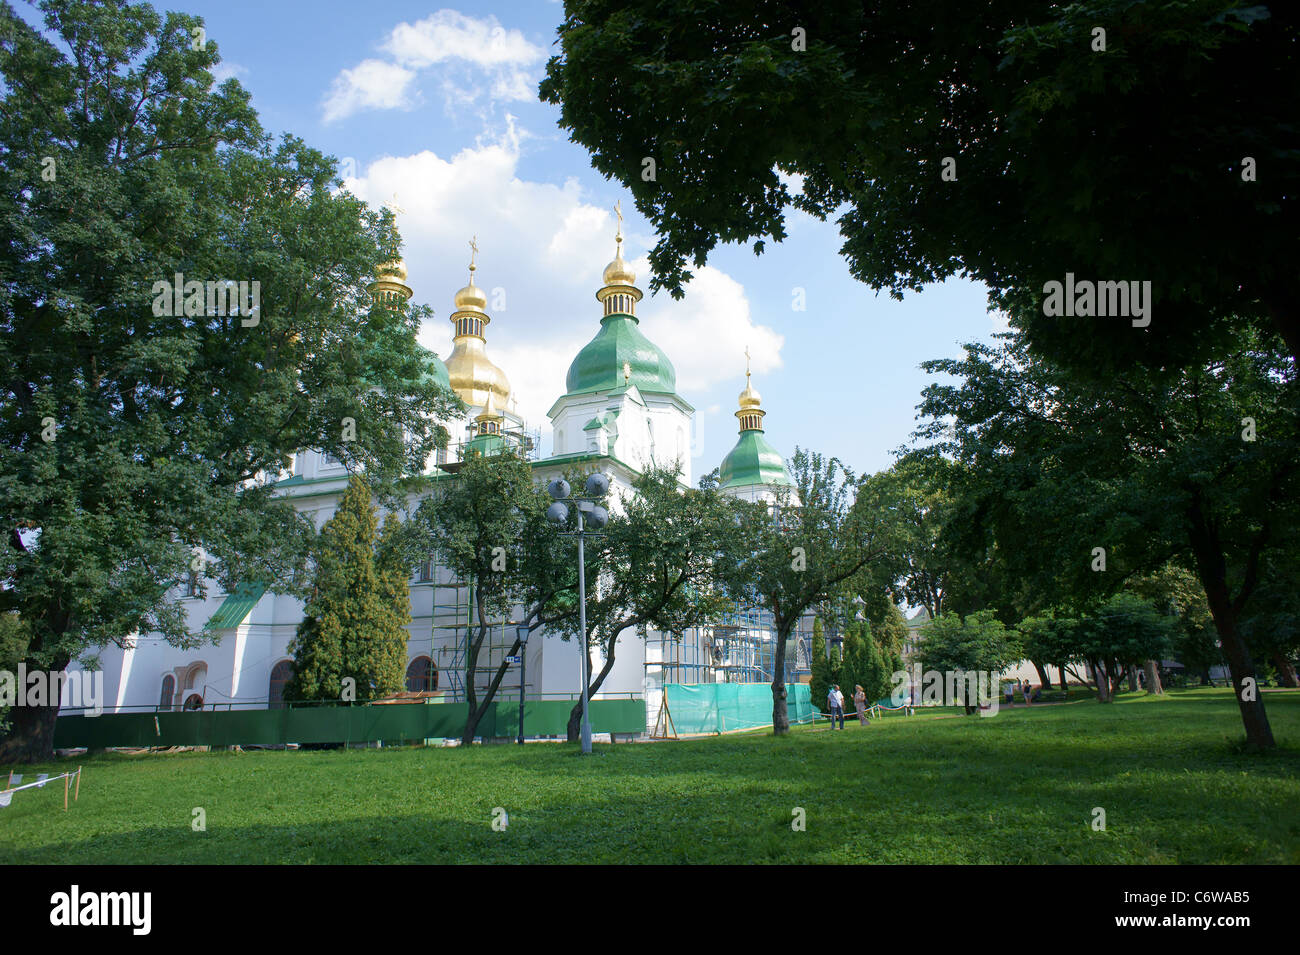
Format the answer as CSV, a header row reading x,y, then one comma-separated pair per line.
x,y
753,461
438,371
599,366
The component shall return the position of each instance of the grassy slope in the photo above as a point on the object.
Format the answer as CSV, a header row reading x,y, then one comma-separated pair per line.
x,y
1017,788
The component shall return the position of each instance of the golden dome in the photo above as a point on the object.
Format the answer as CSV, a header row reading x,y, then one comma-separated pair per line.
x,y
392,269
750,398
475,377
389,287
619,272
471,297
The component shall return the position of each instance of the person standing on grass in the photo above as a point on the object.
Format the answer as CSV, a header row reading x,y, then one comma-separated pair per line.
x,y
835,701
860,701
1026,685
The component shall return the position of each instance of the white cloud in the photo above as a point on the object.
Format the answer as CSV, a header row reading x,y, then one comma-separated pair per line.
x,y
225,70
706,333
449,35
476,59
544,247
371,84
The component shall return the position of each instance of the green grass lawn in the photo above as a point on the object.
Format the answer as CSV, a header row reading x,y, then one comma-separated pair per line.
x,y
1016,788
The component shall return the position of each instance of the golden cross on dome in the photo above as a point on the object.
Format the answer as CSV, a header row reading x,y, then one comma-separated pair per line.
x,y
618,211
392,204
746,365
473,251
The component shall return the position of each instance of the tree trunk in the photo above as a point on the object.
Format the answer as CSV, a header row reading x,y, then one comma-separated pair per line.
x,y
1286,674
1153,677
780,712
574,728
1132,678
31,728
1060,668
476,713
1211,568
1103,682
31,734
1245,683
1043,679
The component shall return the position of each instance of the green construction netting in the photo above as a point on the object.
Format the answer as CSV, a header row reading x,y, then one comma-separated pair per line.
x,y
722,707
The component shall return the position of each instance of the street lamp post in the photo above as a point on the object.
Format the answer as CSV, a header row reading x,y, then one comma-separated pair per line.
x,y
558,513
522,634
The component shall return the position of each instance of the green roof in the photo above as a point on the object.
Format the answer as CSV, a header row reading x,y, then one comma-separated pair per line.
x,y
753,461
599,366
236,606
486,444
601,420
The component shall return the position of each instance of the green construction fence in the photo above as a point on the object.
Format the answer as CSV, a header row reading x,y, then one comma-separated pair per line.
x,y
723,707
391,723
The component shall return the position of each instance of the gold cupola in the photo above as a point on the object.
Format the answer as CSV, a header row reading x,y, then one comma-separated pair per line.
x,y
389,287
751,411
619,294
474,376
489,419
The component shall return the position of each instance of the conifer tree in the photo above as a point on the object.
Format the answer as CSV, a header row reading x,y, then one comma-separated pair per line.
x,y
820,682
874,672
354,624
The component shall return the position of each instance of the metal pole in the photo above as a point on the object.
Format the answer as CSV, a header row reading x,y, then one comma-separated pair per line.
x,y
582,624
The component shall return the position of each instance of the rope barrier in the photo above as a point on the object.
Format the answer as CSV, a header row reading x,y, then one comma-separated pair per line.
x,y
7,794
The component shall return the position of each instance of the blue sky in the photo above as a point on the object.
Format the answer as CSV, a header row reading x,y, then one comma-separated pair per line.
x,y
439,105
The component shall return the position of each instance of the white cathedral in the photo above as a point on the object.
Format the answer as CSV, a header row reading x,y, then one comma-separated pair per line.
x,y
620,413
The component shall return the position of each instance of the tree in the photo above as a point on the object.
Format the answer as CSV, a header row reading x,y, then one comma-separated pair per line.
x,y
875,671
1122,632
823,674
654,569
1091,492
797,551
135,444
1005,144
1051,638
488,525
966,646
354,623
14,639
923,488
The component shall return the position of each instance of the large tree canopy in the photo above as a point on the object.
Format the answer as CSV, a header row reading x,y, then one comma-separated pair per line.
x,y
1088,485
1171,156
130,433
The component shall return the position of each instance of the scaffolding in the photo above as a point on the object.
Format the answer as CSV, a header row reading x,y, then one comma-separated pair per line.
x,y
739,648
451,625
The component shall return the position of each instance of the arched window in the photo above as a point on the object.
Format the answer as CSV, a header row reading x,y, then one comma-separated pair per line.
x,y
281,673
421,675
168,693
193,702
195,679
